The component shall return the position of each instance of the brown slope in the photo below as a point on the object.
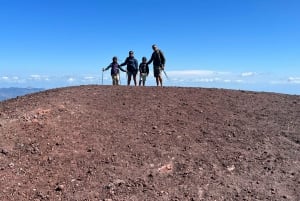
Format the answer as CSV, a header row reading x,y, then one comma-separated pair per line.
x,y
148,143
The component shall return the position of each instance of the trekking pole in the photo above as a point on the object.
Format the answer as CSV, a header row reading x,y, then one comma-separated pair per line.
x,y
165,73
102,76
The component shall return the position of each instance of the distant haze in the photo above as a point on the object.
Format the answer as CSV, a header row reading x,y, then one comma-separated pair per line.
x,y
12,92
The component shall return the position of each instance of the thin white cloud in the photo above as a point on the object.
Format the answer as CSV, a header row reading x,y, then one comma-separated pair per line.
x,y
201,76
192,73
71,79
205,78
10,79
294,80
35,77
248,74
89,79
239,81
5,78
38,77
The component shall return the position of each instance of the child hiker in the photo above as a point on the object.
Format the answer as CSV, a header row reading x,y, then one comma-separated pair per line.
x,y
115,73
144,71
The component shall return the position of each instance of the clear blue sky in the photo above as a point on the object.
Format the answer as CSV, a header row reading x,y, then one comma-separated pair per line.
x,y
239,44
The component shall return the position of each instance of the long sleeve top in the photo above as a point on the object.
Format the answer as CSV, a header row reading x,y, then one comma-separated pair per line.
x,y
114,68
144,68
132,64
157,58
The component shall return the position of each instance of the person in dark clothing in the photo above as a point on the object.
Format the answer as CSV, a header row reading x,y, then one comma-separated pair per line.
x,y
115,73
132,67
159,61
144,71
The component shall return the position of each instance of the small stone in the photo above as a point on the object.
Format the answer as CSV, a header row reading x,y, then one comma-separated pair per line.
x,y
119,182
11,165
4,151
60,187
231,168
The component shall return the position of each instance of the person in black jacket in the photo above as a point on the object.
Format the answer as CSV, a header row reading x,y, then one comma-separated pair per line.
x,y
132,67
115,73
144,71
159,61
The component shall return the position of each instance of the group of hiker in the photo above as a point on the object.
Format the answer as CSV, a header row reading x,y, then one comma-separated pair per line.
x,y
133,68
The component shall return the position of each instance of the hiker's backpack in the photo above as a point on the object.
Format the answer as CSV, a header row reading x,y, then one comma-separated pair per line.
x,y
158,58
161,57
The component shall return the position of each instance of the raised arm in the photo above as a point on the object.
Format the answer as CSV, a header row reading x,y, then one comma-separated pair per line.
x,y
108,67
150,61
122,69
125,62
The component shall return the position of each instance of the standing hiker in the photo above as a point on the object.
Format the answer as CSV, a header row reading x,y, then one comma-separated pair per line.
x,y
144,71
132,67
115,73
159,61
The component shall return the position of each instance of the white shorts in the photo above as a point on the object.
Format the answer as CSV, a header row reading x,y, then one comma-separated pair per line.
x,y
143,76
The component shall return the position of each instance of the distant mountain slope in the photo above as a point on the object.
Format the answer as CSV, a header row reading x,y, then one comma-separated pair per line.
x,y
12,92
121,143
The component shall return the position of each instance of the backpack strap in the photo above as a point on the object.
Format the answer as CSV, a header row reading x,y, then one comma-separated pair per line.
x,y
160,56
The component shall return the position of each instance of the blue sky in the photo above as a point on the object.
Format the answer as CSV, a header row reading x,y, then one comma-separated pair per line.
x,y
236,44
